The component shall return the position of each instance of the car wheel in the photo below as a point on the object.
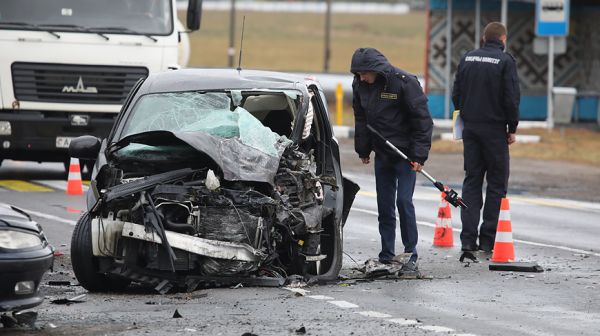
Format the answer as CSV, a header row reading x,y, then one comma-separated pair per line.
x,y
85,264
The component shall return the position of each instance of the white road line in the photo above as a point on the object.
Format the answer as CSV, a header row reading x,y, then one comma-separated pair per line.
x,y
559,247
51,217
301,291
374,314
320,297
404,322
343,304
436,329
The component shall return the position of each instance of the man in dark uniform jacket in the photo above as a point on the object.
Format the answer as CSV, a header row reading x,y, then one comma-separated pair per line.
x,y
486,91
391,101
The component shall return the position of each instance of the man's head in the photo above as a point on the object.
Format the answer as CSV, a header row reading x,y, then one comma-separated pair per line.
x,y
367,76
494,31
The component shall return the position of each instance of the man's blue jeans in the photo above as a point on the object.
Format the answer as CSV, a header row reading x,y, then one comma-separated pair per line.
x,y
395,182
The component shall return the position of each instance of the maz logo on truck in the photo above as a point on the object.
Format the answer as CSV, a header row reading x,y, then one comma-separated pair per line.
x,y
80,88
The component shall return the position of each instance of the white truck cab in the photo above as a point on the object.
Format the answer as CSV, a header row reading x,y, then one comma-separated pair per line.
x,y
66,66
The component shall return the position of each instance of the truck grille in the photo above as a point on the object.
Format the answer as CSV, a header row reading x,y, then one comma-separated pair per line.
x,y
68,83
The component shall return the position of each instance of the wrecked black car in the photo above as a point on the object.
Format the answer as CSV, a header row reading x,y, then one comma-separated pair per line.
x,y
213,178
25,255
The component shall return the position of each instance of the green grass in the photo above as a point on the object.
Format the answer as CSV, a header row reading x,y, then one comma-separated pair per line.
x,y
295,41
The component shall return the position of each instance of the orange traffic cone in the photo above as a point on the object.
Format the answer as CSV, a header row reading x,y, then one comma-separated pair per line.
x,y
74,185
443,225
504,248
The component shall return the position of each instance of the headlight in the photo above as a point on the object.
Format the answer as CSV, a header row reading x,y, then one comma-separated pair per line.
x,y
17,240
5,128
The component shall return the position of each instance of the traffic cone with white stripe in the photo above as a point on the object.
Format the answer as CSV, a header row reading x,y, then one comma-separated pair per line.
x,y
74,184
443,236
504,248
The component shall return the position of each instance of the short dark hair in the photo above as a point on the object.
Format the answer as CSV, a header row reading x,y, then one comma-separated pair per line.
x,y
493,31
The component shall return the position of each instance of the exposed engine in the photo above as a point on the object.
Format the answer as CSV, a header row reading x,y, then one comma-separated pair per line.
x,y
196,222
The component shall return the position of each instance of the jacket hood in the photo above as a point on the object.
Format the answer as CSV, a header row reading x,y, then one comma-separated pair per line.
x,y
369,59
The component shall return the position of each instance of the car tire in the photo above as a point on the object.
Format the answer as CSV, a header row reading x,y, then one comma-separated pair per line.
x,y
86,265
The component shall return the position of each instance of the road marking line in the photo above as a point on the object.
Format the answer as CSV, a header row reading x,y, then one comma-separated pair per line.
x,y
374,314
47,216
403,321
320,297
526,242
436,329
301,291
23,186
343,304
547,202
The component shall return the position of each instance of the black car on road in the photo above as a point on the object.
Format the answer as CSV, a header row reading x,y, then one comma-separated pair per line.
x,y
214,177
25,255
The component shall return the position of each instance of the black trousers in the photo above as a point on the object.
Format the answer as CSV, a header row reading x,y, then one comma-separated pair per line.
x,y
485,155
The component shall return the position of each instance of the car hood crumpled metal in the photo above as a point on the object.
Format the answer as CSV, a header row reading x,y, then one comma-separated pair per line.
x,y
237,160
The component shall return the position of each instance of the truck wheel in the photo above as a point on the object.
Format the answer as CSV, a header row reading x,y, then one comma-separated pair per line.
x,y
85,264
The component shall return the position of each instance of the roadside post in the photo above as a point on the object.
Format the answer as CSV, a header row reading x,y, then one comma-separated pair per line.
x,y
551,20
339,104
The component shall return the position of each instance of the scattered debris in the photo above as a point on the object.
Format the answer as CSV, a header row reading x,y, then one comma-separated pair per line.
x,y
76,299
176,314
516,267
240,285
59,283
27,318
375,269
58,253
8,321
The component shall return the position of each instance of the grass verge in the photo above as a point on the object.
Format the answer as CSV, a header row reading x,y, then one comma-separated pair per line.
x,y
577,145
295,41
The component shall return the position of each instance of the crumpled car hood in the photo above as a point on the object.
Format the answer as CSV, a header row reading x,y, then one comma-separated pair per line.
x,y
239,160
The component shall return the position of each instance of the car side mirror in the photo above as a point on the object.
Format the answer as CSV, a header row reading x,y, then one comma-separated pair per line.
x,y
85,147
194,14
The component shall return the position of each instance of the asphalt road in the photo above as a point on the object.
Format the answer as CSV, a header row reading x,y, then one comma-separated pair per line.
x,y
456,298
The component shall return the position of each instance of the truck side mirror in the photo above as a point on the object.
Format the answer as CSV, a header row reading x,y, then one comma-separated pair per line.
x,y
85,147
194,14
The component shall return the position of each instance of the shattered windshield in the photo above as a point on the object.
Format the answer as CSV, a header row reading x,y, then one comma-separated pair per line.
x,y
212,113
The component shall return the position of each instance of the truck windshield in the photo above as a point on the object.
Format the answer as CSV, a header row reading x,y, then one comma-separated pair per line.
x,y
146,17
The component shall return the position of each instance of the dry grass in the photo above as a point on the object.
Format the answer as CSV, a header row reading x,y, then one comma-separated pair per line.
x,y
295,41
562,144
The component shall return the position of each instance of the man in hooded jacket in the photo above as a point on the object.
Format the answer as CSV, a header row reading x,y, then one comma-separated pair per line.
x,y
392,102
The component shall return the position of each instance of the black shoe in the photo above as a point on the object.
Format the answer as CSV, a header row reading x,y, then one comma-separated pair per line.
x,y
468,255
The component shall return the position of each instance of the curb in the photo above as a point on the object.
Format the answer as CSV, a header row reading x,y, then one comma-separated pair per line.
x,y
345,132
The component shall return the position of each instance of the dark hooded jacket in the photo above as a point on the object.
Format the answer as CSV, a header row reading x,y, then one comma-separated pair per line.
x,y
486,87
395,105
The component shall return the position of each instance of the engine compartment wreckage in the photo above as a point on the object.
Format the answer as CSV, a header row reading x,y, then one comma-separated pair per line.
x,y
196,189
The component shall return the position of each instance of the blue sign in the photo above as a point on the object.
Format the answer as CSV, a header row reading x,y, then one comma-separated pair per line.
x,y
552,17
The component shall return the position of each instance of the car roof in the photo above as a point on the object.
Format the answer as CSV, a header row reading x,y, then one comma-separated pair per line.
x,y
218,79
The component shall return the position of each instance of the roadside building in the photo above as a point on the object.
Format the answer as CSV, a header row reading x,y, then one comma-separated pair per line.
x,y
578,67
